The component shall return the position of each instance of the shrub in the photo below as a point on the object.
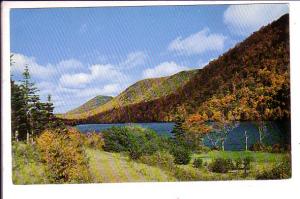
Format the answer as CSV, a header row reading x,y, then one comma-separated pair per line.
x,y
221,165
258,147
203,149
276,148
63,153
181,154
93,140
135,140
280,171
198,163
183,174
246,164
238,163
161,159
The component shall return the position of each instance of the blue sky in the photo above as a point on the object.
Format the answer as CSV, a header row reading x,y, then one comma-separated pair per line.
x,y
75,54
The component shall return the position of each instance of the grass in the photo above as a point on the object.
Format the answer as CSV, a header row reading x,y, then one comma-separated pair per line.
x,y
258,157
26,167
115,167
108,167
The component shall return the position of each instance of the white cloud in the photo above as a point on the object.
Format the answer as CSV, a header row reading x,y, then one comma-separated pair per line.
x,y
134,59
163,69
97,72
70,64
245,19
109,89
36,70
198,43
75,80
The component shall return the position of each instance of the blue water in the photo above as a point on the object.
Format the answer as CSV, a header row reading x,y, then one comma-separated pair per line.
x,y
158,127
234,141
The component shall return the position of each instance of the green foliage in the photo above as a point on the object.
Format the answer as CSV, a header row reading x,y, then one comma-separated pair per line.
x,y
135,140
220,165
198,163
183,174
64,156
30,116
27,167
160,159
178,130
181,154
238,163
281,170
247,164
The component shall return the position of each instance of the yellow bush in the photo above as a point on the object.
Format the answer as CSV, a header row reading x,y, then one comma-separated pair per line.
x,y
63,153
93,140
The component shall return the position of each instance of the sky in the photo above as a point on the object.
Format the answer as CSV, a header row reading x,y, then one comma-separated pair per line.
x,y
75,54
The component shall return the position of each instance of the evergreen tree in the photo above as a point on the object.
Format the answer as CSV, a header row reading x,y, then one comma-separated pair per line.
x,y
178,130
19,122
29,115
31,103
51,123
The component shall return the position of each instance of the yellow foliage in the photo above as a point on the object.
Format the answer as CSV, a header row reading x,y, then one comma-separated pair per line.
x,y
63,153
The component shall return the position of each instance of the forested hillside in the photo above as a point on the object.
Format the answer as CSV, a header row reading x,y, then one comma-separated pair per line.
x,y
91,104
142,91
249,82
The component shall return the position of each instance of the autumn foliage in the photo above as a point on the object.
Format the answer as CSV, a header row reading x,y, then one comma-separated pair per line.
x,y
249,82
64,156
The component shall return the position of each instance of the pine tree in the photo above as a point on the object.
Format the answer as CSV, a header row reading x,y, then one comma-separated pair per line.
x,y
19,122
178,130
30,116
31,103
49,113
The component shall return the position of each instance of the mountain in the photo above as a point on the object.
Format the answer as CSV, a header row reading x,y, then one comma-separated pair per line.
x,y
251,80
142,91
91,104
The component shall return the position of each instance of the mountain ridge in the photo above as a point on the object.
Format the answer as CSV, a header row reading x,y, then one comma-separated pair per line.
x,y
259,65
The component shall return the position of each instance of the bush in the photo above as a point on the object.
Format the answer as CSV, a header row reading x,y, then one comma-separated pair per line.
x,y
280,171
161,159
183,174
238,163
203,149
246,164
221,165
258,147
93,140
135,140
181,154
64,156
198,163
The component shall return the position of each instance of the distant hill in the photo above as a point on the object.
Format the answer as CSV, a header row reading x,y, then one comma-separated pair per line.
x,y
142,91
253,77
91,104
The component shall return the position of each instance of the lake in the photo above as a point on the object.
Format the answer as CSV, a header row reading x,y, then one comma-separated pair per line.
x,y
235,139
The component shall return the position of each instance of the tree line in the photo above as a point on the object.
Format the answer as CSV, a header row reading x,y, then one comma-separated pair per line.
x,y
29,115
